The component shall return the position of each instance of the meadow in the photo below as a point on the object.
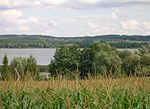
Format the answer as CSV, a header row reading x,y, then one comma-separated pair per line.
x,y
91,93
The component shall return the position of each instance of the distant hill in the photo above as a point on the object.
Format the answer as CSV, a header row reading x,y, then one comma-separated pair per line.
x,y
43,41
98,37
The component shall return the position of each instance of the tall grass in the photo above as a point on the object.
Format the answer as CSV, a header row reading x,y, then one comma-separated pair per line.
x,y
93,93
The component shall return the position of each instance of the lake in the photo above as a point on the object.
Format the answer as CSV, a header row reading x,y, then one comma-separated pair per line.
x,y
42,56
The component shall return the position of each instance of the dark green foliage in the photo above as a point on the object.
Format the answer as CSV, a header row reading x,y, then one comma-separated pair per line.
x,y
93,58
99,58
130,62
66,60
5,61
106,59
40,41
5,69
105,62
145,64
86,60
144,49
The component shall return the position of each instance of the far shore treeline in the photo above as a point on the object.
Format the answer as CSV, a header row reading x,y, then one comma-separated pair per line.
x,y
41,41
72,62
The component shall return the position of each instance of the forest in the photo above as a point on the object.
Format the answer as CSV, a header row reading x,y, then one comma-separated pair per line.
x,y
40,41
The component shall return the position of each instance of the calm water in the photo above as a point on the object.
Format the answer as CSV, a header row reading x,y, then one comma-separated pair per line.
x,y
43,56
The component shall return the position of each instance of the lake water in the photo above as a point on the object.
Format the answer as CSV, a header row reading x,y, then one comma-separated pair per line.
x,y
43,56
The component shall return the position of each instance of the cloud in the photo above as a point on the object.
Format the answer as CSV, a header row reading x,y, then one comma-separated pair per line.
x,y
15,17
48,32
93,25
8,29
147,25
13,13
33,20
51,2
74,17
72,4
130,24
24,28
114,15
89,1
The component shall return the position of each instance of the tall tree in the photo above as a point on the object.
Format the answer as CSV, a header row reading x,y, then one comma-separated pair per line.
x,y
66,60
130,62
91,58
5,69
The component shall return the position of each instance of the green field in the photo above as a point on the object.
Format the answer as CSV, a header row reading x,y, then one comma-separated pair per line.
x,y
97,93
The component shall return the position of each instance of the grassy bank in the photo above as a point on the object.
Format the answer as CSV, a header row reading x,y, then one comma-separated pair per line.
x,y
98,93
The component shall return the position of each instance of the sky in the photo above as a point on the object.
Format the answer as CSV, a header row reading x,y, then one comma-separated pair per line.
x,y
75,17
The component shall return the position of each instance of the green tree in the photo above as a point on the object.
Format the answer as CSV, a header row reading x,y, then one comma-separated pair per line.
x,y
5,69
106,63
18,65
66,60
86,61
145,49
5,60
26,67
31,66
91,61
130,62
145,64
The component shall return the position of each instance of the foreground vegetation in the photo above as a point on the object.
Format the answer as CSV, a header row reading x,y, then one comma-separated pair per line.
x,y
93,93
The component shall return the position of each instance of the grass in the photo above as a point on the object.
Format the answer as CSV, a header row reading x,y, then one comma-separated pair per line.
x,y
97,93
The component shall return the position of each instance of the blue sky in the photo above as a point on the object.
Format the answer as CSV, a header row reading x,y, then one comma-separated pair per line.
x,y
75,17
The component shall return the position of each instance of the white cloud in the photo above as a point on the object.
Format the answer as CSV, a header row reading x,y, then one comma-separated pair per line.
x,y
12,16
130,24
24,28
53,2
12,13
93,25
82,16
101,31
72,4
8,29
89,1
114,15
33,20
48,32
49,23
147,25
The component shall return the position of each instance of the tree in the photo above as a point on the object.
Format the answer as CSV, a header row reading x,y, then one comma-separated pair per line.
x,y
18,66
66,60
86,60
91,61
31,66
5,69
145,64
130,62
26,67
5,60
145,49
106,63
